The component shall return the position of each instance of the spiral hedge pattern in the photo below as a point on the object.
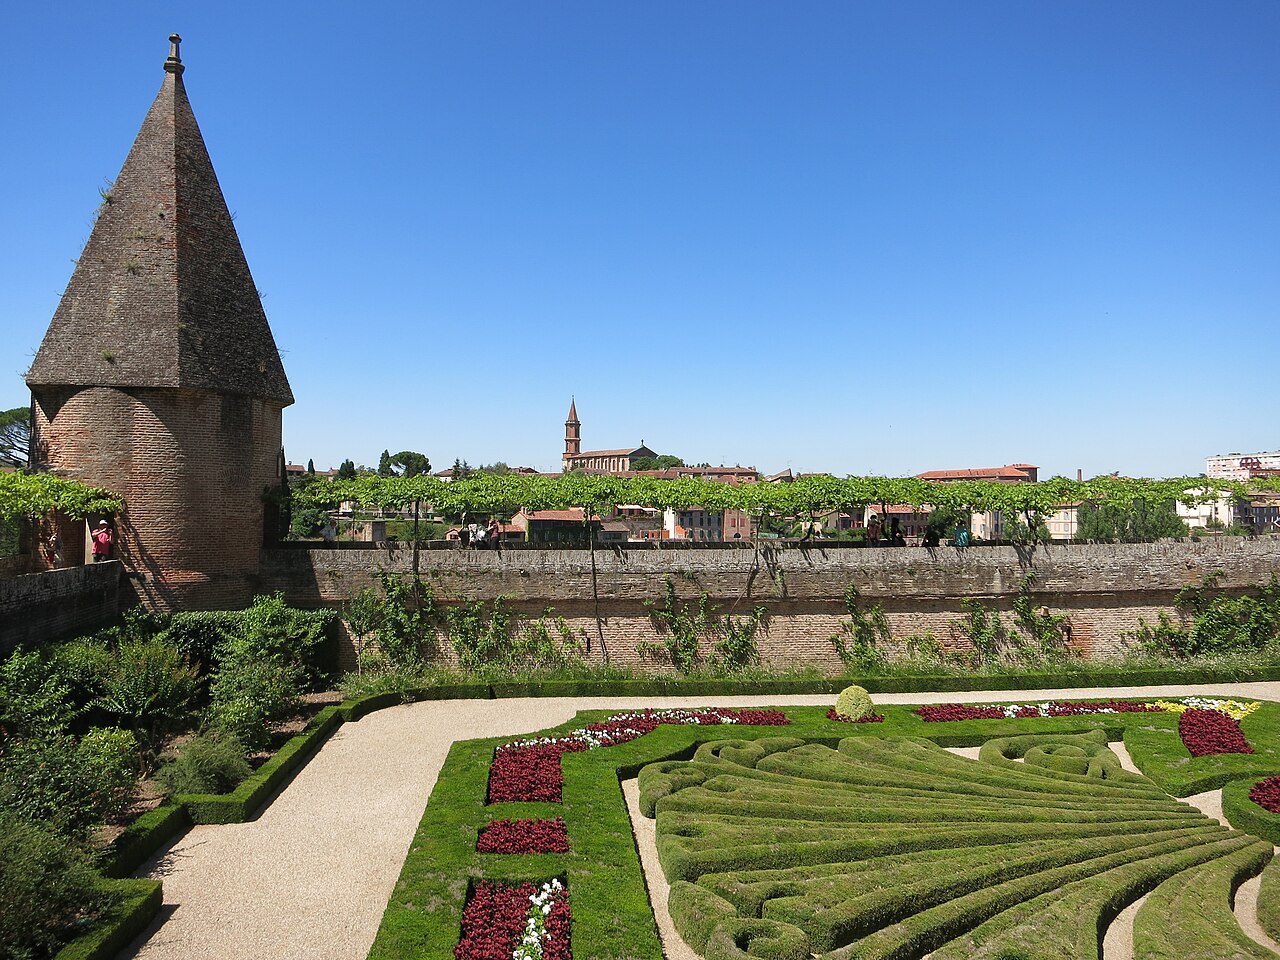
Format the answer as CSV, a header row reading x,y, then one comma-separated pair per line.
x,y
891,847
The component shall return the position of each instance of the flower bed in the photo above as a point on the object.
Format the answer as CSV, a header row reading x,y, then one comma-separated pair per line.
x,y
1053,708
1266,794
523,836
515,921
530,769
1209,732
841,718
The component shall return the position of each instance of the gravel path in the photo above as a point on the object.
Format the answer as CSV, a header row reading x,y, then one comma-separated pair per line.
x,y
311,876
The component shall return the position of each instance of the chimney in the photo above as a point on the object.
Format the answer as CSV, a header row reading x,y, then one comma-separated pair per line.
x,y
1079,475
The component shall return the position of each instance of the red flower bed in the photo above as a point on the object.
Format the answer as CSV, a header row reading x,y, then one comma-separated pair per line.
x,y
529,772
869,718
530,769
1266,794
494,920
1209,732
524,836
1057,708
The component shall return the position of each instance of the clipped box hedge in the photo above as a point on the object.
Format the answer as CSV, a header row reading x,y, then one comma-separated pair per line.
x,y
139,902
142,838
243,802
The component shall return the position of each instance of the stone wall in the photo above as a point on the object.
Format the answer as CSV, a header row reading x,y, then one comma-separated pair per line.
x,y
40,606
1104,589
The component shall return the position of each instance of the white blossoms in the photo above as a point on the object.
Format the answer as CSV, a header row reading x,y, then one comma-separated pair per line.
x,y
535,930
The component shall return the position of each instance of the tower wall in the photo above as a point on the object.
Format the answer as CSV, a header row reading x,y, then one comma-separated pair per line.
x,y
192,467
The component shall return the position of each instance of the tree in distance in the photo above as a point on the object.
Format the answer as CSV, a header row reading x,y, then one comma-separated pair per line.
x,y
15,436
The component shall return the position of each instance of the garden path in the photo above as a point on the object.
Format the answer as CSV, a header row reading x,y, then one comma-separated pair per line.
x,y
311,876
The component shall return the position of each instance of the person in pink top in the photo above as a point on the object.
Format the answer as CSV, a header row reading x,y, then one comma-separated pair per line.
x,y
102,539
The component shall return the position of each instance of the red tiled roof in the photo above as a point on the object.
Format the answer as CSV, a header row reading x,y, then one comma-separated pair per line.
x,y
575,513
983,473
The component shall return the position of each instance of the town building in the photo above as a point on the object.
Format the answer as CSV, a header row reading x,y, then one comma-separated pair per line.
x,y
1242,466
159,378
989,524
604,461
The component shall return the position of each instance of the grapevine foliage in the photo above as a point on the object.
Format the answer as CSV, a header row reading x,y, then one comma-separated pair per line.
x,y
30,494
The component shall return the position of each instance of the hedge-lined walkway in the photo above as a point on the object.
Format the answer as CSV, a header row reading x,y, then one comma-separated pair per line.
x,y
310,878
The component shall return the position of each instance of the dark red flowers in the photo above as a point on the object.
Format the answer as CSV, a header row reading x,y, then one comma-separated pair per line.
x,y
530,769
1209,732
529,772
869,718
1266,794
496,921
524,836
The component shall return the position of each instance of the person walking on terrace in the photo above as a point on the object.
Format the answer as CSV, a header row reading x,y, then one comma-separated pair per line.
x,y
102,540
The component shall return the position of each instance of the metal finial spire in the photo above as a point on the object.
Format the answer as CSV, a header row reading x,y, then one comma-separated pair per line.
x,y
174,63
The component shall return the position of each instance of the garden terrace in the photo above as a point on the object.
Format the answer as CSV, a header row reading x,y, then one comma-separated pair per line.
x,y
858,840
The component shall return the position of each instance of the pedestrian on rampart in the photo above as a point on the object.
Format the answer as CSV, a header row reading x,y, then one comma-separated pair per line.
x,y
102,540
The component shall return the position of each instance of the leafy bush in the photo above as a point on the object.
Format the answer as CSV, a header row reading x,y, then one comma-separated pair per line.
x,y
211,763
859,638
71,787
33,701
151,690
1218,622
198,635
854,703
271,629
249,692
47,888
83,665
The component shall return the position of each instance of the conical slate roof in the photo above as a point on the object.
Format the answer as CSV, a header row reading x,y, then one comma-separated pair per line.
x,y
162,295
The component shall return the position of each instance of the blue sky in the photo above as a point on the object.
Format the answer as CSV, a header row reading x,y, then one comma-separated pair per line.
x,y
864,238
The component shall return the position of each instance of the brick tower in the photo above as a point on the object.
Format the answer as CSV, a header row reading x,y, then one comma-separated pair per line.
x,y
572,432
159,377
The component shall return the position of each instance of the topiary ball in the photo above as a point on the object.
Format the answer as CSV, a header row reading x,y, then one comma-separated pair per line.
x,y
854,703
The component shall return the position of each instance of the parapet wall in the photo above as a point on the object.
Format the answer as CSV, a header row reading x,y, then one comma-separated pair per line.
x,y
39,606
1103,588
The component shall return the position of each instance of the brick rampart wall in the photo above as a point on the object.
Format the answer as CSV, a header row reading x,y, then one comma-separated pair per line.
x,y
39,606
1104,589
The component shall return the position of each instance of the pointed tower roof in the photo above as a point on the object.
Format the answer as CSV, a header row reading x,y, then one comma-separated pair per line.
x,y
162,295
573,411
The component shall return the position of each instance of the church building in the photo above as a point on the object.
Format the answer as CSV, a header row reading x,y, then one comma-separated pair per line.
x,y
606,461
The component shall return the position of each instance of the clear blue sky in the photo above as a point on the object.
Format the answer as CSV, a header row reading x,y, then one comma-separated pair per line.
x,y
854,237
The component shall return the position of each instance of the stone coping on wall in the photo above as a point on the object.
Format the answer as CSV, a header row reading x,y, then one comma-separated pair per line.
x,y
796,573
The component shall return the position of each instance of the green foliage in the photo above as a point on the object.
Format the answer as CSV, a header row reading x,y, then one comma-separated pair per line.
x,y
249,692
684,622
858,641
662,462
150,690
1214,622
472,492
213,762
1139,521
384,465
854,703
48,889
347,470
15,436
408,463
407,626
34,701
32,494
735,648
71,787
480,633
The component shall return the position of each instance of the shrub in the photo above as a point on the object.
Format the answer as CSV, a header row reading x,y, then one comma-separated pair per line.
x,y
214,762
33,701
47,888
854,703
249,693
71,787
151,690
270,629
83,666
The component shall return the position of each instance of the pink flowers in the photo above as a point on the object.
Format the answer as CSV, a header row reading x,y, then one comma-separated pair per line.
x,y
869,718
1054,708
524,836
1209,732
503,921
530,769
1266,794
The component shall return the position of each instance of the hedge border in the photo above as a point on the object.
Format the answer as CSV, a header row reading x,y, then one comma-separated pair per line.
x,y
140,901
142,838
